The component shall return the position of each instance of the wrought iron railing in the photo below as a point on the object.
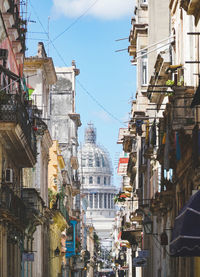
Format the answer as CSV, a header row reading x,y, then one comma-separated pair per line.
x,y
13,110
11,205
63,210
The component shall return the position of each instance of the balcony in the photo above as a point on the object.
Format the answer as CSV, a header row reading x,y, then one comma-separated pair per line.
x,y
12,19
76,185
76,213
12,208
34,204
59,207
16,131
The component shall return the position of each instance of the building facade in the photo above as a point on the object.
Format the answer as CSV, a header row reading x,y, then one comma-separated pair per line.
x,y
64,123
161,139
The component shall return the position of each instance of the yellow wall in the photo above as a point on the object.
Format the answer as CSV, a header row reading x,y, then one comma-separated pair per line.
x,y
56,228
197,267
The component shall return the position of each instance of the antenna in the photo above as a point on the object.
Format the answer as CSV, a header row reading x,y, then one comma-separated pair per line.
x,y
48,34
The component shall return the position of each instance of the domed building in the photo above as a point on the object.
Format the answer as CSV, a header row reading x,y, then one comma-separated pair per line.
x,y
96,173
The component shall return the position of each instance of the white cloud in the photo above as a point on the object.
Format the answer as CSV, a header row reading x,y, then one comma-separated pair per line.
x,y
104,9
103,116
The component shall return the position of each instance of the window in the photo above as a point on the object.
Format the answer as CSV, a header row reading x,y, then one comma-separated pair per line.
x,y
83,162
90,180
105,200
98,180
112,201
100,200
104,181
109,200
95,201
108,180
90,159
90,162
144,68
97,160
91,200
103,161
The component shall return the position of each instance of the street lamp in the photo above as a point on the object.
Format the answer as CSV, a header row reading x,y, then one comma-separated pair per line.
x,y
57,252
148,225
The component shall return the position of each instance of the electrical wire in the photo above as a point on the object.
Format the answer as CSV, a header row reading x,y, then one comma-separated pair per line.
x,y
76,20
80,84
98,103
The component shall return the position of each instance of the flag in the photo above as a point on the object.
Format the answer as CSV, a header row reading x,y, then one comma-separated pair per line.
x,y
30,90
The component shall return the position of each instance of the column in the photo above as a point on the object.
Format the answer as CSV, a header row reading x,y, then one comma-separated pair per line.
x,y
93,200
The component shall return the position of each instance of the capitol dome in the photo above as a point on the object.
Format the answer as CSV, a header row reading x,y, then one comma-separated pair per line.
x,y
94,158
95,171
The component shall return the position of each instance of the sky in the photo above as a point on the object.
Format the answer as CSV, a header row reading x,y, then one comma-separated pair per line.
x,y
86,31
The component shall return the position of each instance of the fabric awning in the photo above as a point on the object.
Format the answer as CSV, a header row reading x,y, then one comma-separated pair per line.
x,y
186,232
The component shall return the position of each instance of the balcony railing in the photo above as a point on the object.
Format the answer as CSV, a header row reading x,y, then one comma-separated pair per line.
x,y
12,208
13,110
59,206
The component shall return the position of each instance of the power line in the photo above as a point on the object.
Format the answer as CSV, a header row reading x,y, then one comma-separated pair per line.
x,y
80,84
98,103
76,20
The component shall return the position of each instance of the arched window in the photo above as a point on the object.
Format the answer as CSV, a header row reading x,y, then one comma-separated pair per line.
x,y
90,180
98,180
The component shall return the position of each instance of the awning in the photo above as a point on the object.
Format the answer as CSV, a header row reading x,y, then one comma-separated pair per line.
x,y
186,232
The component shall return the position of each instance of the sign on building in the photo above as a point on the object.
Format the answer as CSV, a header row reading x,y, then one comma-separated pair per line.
x,y
28,257
143,253
122,166
139,262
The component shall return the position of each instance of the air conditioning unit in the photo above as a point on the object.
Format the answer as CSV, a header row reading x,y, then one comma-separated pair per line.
x,y
8,175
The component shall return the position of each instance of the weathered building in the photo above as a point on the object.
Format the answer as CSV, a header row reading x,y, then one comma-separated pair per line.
x,y
163,136
64,122
40,73
17,141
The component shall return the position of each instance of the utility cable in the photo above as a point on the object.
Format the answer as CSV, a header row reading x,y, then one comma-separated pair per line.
x,y
80,84
98,103
75,21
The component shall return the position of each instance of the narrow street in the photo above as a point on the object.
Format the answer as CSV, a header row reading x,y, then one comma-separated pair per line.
x,y
100,138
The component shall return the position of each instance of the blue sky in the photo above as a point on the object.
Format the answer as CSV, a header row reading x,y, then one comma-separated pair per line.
x,y
108,76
